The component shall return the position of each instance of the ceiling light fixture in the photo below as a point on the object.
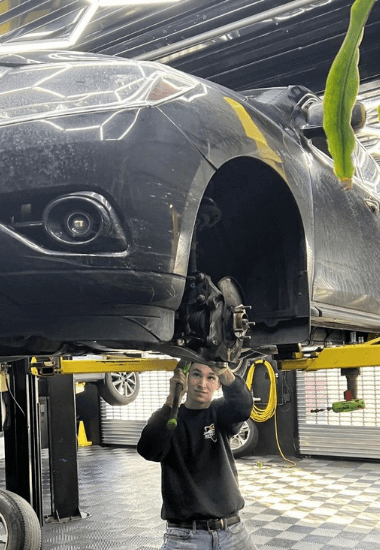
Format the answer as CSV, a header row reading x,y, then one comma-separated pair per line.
x,y
112,3
84,17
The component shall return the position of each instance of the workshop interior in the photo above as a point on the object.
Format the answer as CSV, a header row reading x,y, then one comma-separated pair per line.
x,y
169,194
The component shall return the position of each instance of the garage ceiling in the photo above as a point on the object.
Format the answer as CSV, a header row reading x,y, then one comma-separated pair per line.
x,y
238,43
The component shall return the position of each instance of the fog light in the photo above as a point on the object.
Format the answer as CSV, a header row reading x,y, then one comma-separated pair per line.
x,y
77,219
78,224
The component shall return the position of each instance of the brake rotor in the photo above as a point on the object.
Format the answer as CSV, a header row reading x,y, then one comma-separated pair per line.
x,y
230,288
235,318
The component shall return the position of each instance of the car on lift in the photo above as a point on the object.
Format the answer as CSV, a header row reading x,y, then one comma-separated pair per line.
x,y
144,208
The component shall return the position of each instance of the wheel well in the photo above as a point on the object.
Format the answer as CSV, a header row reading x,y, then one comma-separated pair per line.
x,y
259,241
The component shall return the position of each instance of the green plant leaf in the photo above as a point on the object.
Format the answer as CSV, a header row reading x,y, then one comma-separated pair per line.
x,y
342,87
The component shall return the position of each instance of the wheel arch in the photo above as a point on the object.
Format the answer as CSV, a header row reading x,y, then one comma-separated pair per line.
x,y
260,241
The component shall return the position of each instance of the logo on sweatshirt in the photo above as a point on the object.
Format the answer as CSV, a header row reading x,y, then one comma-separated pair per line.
x,y
209,433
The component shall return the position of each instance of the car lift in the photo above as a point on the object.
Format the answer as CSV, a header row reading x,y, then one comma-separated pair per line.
x,y
21,383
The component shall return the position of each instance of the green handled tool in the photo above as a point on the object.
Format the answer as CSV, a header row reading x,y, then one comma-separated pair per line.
x,y
172,422
348,406
343,406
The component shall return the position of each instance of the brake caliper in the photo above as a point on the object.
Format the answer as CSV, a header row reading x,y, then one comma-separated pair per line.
x,y
212,319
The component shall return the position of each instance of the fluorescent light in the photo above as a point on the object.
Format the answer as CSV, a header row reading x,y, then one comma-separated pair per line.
x,y
83,19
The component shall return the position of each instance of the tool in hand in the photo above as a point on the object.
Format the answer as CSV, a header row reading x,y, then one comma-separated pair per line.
x,y
172,422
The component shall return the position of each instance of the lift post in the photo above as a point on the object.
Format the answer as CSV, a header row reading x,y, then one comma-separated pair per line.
x,y
22,442
63,462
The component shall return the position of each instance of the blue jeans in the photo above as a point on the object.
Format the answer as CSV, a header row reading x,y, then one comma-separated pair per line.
x,y
234,537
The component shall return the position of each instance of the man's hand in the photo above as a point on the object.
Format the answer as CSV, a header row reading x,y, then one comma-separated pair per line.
x,y
179,377
225,375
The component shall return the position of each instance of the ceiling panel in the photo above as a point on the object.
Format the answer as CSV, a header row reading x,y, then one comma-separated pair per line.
x,y
236,43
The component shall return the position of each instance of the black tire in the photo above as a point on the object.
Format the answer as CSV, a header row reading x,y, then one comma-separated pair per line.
x,y
119,388
245,441
19,525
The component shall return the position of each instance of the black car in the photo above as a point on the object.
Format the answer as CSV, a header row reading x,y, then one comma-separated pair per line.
x,y
144,208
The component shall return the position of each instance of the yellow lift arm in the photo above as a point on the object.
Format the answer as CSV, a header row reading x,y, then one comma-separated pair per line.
x,y
104,363
340,357
349,356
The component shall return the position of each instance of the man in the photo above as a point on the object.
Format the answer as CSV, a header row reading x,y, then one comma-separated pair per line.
x,y
200,493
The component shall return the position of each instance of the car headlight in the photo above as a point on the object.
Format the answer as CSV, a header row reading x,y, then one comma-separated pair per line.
x,y
93,86
157,87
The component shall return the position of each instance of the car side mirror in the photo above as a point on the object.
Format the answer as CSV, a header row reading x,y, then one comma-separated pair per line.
x,y
314,117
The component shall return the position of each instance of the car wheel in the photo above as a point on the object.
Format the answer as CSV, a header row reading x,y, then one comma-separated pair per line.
x,y
19,525
119,388
245,441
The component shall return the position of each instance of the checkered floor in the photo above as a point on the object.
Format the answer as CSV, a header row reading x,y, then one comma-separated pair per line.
x,y
315,505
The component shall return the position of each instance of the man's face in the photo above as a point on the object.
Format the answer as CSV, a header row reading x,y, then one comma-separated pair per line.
x,y
202,384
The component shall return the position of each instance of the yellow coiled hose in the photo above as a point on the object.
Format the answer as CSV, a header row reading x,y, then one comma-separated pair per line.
x,y
262,415
257,414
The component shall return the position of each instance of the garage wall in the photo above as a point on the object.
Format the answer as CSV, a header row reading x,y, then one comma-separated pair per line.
x,y
327,433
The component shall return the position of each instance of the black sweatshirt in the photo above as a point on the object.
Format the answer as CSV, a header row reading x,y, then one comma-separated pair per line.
x,y
199,477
